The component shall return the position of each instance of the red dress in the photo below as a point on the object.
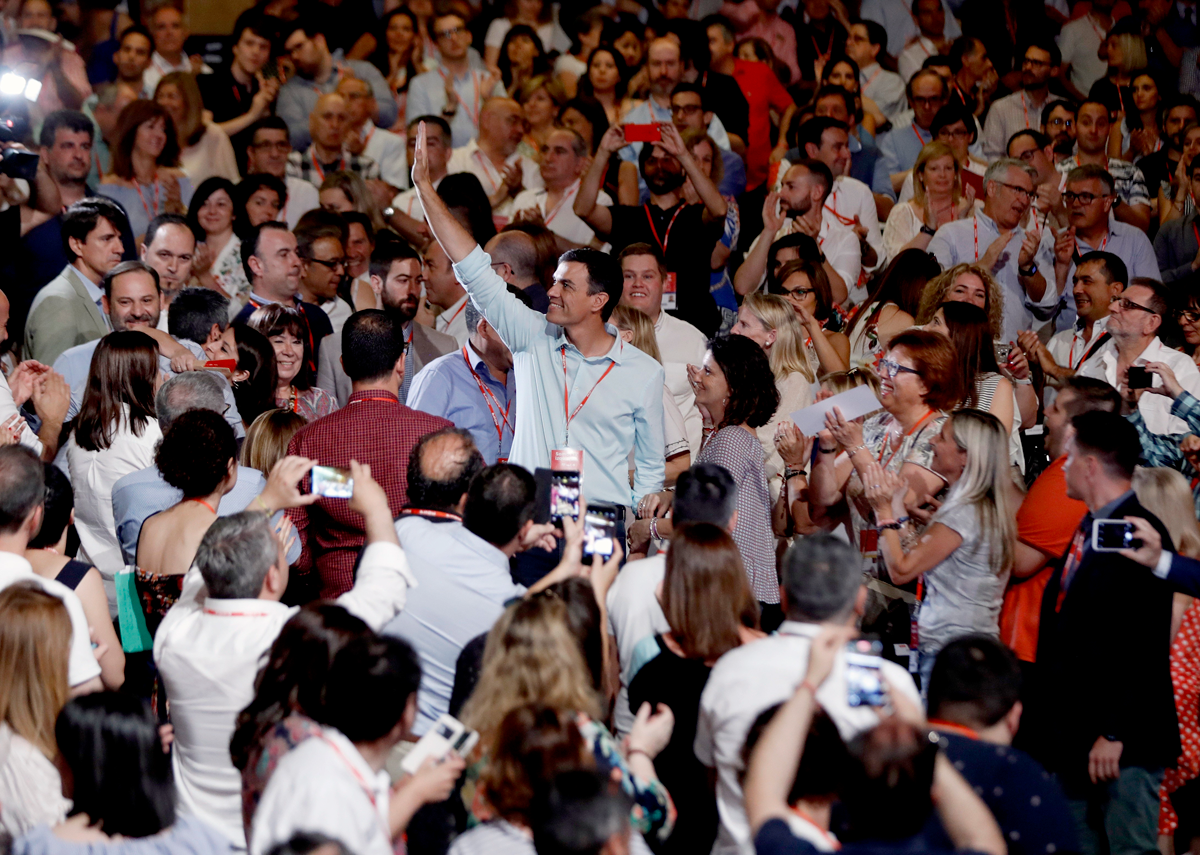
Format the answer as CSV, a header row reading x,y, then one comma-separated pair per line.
x,y
1185,677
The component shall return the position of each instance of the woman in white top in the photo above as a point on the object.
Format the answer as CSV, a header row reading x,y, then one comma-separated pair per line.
x,y
768,320
938,199
218,259
35,639
115,434
533,13
204,149
891,307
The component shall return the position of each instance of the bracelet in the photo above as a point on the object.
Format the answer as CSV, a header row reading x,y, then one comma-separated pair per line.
x,y
808,684
925,230
789,473
629,752
827,450
260,501
856,449
654,528
1028,381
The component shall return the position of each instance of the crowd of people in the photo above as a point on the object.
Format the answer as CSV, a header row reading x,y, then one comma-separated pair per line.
x,y
378,369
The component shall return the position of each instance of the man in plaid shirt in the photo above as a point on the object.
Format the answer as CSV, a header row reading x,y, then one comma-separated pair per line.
x,y
1168,449
328,125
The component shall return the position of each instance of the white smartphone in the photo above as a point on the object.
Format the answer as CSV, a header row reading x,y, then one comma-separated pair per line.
x,y
1113,536
447,734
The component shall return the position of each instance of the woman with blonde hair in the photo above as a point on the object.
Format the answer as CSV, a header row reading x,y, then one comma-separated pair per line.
x,y
267,439
965,283
966,553
1167,494
938,198
769,321
35,639
345,191
540,97
532,657
636,328
204,149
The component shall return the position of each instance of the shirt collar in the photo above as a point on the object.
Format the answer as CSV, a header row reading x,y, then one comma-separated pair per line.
x,y
372,394
614,353
862,72
1097,326
477,362
256,298
360,769
94,291
241,608
1107,511
795,627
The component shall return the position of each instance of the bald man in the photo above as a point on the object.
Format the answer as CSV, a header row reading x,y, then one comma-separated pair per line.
x,y
362,137
328,125
493,157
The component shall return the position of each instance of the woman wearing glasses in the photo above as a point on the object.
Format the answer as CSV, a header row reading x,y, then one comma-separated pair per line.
x,y
806,287
1189,324
920,383
966,554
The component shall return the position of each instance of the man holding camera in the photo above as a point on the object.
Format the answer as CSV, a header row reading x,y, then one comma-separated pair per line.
x,y
1133,324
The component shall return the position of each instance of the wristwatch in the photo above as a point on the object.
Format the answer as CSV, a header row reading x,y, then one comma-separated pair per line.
x,y
389,212
1031,270
925,230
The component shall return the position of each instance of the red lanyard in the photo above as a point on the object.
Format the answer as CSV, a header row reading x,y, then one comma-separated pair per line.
x,y
887,441
206,504
488,168
870,80
831,207
428,514
567,392
473,116
822,54
317,167
1024,108
975,227
829,839
456,314
1103,243
1097,30
389,400
489,396
362,782
961,730
920,138
662,243
157,187
1196,232
566,197
1069,567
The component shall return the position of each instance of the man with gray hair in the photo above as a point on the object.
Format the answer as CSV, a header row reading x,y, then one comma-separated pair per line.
x,y
1022,262
209,645
822,582
515,259
140,495
564,159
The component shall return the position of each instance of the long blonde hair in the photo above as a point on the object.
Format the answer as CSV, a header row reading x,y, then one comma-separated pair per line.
x,y
930,152
192,127
1166,494
35,638
787,354
530,657
984,481
267,439
627,318
935,294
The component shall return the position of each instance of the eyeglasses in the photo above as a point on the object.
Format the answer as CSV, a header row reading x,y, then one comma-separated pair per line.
x,y
450,33
685,109
891,368
1188,315
1030,61
1061,123
332,264
960,133
798,293
1020,191
1071,198
1129,304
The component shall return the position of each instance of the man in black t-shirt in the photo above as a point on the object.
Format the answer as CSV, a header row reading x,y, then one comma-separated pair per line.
x,y
685,233
233,92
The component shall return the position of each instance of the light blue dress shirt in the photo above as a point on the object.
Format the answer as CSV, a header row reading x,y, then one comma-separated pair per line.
x,y
899,147
298,97
955,243
446,388
1129,244
463,583
427,97
623,412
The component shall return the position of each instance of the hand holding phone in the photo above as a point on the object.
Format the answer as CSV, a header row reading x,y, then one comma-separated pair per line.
x,y
332,483
1113,536
643,133
447,734
599,531
864,680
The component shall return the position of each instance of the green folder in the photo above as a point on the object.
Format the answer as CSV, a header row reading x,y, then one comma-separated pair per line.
x,y
135,638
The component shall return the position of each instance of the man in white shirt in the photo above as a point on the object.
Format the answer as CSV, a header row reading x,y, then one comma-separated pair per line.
x,y
1080,41
335,783
364,137
865,40
936,30
22,497
1022,110
706,493
443,290
493,158
1133,327
268,153
564,157
210,645
170,35
679,343
822,578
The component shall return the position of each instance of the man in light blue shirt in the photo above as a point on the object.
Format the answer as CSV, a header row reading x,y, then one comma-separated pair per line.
x,y
581,386
1021,262
474,387
899,147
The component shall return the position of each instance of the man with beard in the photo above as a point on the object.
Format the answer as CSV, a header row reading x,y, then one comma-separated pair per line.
x,y
1021,261
1173,116
396,279
318,72
695,228
1058,123
133,58
1022,109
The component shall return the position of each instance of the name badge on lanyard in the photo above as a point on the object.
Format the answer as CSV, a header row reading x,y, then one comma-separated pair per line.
x,y
669,295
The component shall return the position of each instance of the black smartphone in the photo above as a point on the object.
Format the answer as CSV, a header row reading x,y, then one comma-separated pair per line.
x,y
564,495
19,164
600,530
1139,377
864,681
271,69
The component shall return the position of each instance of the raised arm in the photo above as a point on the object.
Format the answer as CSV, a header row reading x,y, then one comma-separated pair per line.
x,y
750,274
455,240
714,204
598,216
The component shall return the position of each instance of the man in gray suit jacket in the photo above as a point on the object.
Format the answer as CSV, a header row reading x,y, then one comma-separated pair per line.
x,y
396,279
67,312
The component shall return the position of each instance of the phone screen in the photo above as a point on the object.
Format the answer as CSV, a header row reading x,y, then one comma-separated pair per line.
x,y
564,495
332,483
599,531
864,683
1112,535
1139,377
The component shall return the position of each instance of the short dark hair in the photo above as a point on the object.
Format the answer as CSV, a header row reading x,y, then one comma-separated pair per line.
x,y
128,267
437,121
960,48
1088,171
578,813
876,34
266,123
256,22
22,486
821,576
1048,46
71,120
1111,439
307,842
718,20
389,248
499,503
753,396
372,343
122,777
640,248
56,508
819,169
135,30
976,680
1039,138
195,452
685,86
1160,300
604,275
250,243
823,761
193,313
361,219
1067,104
814,129
1112,265
82,218
166,220
438,484
706,493
370,682
1091,394
948,114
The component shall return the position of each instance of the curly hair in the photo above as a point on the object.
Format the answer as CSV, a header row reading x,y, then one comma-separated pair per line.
x,y
935,295
753,397
195,452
